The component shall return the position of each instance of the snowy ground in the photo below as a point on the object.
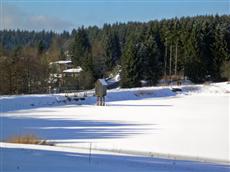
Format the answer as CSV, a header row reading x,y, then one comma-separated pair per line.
x,y
148,122
46,159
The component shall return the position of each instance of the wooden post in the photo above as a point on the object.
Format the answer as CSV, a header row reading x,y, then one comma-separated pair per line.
x,y
98,101
103,101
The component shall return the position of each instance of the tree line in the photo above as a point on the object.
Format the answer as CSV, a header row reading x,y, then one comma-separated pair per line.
x,y
195,47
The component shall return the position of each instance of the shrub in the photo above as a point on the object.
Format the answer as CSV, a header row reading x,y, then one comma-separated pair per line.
x,y
28,139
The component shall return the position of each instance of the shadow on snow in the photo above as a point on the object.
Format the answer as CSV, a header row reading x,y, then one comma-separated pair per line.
x,y
60,129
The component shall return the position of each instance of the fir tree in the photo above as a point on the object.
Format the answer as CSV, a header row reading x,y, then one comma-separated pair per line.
x,y
131,65
81,47
153,66
41,47
112,50
219,52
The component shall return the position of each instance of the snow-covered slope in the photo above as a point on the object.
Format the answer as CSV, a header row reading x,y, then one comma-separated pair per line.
x,y
46,159
12,103
154,121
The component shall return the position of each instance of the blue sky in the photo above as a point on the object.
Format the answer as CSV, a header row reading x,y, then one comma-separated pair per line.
x,y
66,14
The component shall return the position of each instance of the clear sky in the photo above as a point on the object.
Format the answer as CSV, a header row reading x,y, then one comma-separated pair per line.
x,y
61,15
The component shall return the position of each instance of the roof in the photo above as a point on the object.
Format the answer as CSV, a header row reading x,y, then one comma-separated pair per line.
x,y
73,70
103,82
62,62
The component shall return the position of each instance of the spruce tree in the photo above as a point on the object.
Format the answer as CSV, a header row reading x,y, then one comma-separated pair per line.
x,y
219,52
112,50
153,66
41,47
87,76
81,47
131,65
195,69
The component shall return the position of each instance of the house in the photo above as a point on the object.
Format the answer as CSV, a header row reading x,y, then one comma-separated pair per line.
x,y
62,65
63,76
72,72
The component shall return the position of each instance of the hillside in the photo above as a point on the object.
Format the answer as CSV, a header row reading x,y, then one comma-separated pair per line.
x,y
145,122
193,47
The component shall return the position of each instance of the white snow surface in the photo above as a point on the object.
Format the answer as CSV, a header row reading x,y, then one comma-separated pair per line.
x,y
103,82
62,62
21,157
73,70
151,121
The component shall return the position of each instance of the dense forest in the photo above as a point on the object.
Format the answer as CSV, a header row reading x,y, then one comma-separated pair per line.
x,y
194,47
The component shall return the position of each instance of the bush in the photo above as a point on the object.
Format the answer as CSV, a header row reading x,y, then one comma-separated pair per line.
x,y
28,139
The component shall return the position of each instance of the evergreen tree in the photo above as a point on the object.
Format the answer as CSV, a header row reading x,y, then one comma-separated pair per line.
x,y
81,47
62,55
194,68
87,77
131,65
41,47
219,52
112,50
153,66
199,46
82,56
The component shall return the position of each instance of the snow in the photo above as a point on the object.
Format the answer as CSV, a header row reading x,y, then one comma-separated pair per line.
x,y
13,103
113,81
46,158
116,78
73,70
55,75
62,62
146,122
103,82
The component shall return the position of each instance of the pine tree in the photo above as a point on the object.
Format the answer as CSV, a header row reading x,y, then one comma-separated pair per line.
x,y
153,66
82,56
219,52
62,54
131,66
195,69
87,76
81,47
112,50
41,47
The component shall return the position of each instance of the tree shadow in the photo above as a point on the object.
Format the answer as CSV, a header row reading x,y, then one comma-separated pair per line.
x,y
60,129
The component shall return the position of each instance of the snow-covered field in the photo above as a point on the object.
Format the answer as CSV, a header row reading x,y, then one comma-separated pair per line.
x,y
145,122
45,159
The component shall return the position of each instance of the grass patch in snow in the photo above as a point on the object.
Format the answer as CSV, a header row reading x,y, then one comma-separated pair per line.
x,y
28,139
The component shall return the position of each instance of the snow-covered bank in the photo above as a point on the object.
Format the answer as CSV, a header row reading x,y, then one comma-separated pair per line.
x,y
13,103
46,158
